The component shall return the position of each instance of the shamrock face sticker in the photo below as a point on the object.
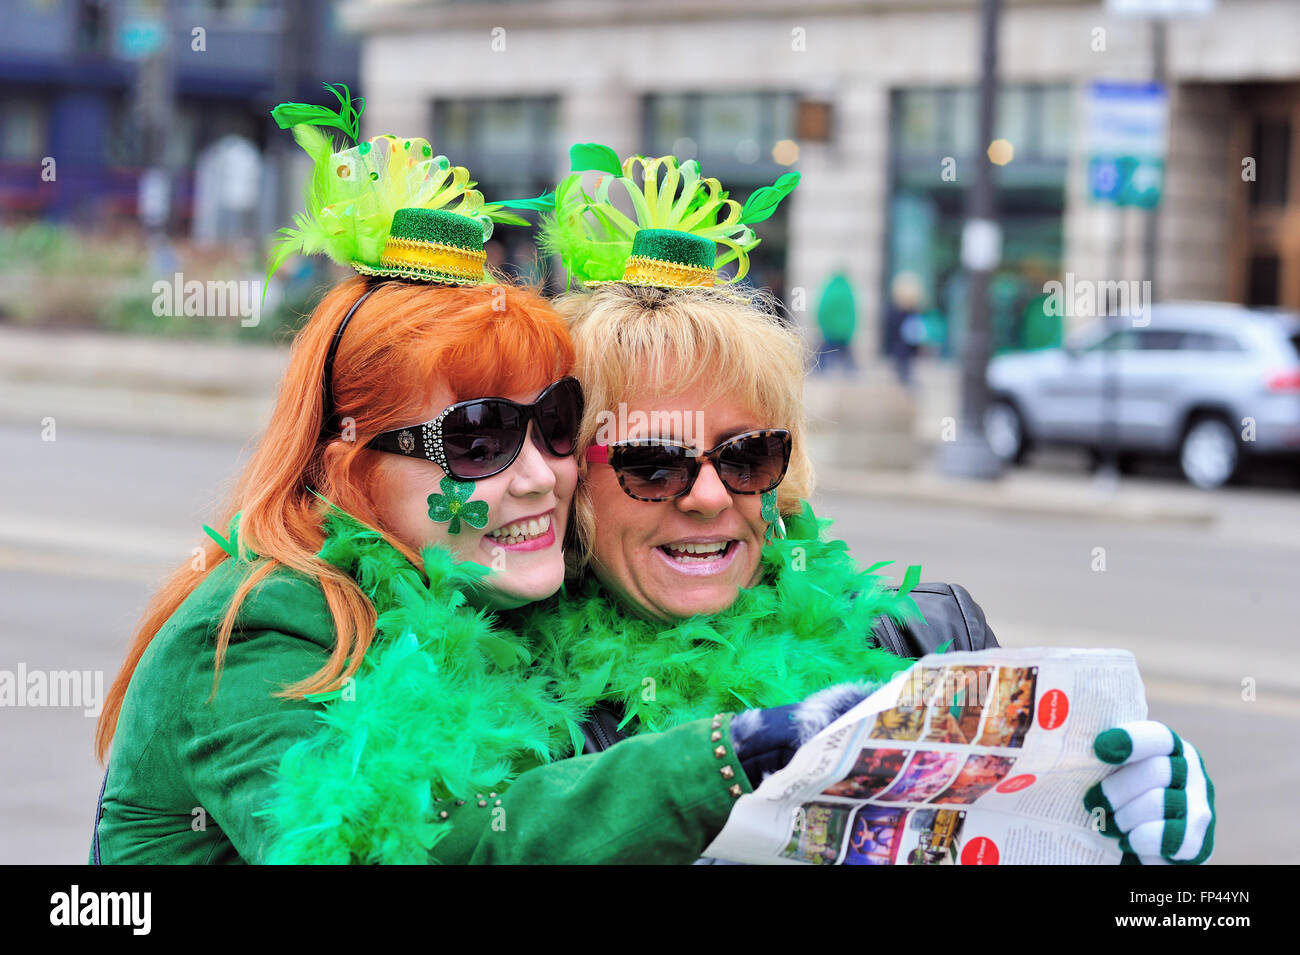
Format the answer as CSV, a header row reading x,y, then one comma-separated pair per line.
x,y
454,505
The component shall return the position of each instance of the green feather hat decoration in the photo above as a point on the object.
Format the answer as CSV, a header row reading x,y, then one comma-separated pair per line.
x,y
679,220
387,206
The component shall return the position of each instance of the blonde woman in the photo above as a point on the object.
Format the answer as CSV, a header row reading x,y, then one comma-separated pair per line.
x,y
704,580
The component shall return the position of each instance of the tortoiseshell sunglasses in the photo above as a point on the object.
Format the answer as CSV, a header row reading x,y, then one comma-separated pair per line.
x,y
650,469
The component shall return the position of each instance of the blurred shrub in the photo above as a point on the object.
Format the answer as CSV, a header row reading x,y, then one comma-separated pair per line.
x,y
53,276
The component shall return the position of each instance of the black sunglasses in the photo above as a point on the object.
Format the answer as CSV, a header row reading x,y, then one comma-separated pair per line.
x,y
476,439
654,470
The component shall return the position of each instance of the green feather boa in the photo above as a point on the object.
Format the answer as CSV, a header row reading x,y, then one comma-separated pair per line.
x,y
805,627
444,705
448,703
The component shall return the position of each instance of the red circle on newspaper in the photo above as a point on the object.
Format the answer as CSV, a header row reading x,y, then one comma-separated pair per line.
x,y
1017,783
980,851
1052,709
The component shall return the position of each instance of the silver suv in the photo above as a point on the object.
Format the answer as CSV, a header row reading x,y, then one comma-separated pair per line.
x,y
1208,382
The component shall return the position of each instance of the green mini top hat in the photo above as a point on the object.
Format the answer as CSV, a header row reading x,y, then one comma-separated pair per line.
x,y
669,256
432,245
680,220
388,206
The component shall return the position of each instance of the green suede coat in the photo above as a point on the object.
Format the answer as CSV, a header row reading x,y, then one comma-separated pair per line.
x,y
188,769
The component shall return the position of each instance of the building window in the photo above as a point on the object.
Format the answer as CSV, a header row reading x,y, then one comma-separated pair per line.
x,y
1055,121
933,151
22,130
509,146
918,116
938,122
1262,281
123,137
92,27
1264,256
1271,148
733,136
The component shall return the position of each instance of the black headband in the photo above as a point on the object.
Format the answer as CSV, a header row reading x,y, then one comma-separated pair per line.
x,y
327,419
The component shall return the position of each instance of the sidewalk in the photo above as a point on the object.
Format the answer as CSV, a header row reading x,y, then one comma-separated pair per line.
x,y
134,384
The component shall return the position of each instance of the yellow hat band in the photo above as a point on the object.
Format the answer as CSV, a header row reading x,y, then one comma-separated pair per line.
x,y
433,257
646,271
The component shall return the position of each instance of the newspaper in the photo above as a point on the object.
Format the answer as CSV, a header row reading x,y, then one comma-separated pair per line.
x,y
963,759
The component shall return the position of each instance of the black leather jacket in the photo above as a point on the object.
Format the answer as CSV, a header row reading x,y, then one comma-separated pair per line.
x,y
950,615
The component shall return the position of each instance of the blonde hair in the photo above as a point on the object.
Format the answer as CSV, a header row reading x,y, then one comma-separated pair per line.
x,y
634,340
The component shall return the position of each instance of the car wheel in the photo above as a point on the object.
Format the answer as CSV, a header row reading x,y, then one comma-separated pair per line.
x,y
1209,454
1005,431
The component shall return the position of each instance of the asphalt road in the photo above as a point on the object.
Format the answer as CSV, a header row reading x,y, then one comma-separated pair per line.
x,y
91,522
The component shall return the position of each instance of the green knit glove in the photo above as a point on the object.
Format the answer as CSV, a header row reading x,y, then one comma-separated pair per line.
x,y
1160,804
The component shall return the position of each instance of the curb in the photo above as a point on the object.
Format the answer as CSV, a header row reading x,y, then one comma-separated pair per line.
x,y
188,414
135,362
1020,495
136,384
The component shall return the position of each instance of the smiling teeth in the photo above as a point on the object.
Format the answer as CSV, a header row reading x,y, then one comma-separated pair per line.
x,y
708,548
521,531
694,553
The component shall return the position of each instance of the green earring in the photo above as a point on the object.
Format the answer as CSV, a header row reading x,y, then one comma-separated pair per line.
x,y
775,525
454,505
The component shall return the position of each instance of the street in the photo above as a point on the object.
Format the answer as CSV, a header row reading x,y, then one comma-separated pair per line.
x,y
92,521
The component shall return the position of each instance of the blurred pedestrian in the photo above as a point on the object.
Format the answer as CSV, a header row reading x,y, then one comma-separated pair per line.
x,y
837,319
904,327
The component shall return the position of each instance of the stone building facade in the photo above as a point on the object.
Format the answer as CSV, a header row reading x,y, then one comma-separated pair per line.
x,y
625,73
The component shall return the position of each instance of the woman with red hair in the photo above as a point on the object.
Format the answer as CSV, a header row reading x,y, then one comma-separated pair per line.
x,y
228,667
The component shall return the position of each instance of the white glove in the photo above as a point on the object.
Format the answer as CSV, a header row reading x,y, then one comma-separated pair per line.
x,y
1160,803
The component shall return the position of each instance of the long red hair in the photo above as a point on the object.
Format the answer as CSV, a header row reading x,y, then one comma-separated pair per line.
x,y
404,341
